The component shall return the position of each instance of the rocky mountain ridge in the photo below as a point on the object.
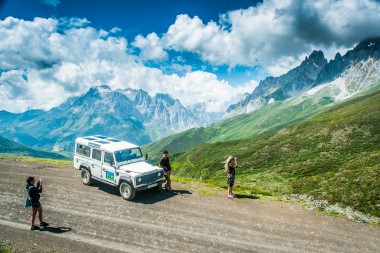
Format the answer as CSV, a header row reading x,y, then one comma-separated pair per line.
x,y
315,70
129,114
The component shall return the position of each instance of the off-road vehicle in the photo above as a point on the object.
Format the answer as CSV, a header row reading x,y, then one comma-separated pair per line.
x,y
115,162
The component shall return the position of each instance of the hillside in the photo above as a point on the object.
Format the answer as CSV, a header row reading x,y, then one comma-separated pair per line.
x,y
13,148
270,117
333,156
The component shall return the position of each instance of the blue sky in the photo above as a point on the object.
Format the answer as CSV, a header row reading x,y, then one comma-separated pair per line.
x,y
209,52
134,17
140,17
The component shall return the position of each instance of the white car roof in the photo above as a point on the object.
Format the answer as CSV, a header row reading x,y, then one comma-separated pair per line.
x,y
105,143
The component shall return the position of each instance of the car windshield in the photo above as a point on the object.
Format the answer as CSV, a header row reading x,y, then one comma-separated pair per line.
x,y
128,154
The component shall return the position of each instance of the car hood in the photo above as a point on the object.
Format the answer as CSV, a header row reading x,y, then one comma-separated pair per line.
x,y
139,167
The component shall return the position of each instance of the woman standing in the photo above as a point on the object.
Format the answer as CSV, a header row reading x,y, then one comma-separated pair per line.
x,y
34,195
230,167
165,164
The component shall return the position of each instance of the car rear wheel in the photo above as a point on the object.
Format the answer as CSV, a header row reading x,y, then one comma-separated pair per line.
x,y
126,191
86,177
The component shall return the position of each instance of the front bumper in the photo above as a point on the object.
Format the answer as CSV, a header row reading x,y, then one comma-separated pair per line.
x,y
149,186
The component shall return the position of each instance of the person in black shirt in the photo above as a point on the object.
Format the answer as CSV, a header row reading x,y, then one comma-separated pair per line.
x,y
165,164
34,196
230,167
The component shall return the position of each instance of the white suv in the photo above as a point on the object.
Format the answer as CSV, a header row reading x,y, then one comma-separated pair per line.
x,y
115,162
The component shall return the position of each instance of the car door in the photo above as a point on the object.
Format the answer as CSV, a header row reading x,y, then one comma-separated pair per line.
x,y
96,163
108,167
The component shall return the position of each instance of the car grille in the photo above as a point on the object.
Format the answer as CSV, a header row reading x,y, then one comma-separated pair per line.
x,y
150,178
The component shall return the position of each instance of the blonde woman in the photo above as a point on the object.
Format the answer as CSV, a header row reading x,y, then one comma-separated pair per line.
x,y
230,167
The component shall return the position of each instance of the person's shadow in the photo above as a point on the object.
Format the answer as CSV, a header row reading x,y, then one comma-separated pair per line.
x,y
244,196
55,230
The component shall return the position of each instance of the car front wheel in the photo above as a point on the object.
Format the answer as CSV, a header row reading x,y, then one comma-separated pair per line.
x,y
86,177
126,191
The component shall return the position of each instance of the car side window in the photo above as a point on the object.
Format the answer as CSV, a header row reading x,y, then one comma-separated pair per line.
x,y
108,159
83,150
97,154
86,151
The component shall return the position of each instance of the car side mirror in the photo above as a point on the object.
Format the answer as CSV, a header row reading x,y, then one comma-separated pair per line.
x,y
146,157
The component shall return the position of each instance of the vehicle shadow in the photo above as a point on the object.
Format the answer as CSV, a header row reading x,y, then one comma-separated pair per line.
x,y
55,230
107,188
150,197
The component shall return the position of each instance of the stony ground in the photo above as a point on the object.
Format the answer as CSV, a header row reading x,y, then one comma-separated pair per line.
x,y
96,219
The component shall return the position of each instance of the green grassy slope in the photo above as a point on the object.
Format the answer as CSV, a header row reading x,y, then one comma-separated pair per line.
x,y
333,156
269,118
13,148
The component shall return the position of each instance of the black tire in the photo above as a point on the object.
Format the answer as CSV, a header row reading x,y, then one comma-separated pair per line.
x,y
126,191
86,177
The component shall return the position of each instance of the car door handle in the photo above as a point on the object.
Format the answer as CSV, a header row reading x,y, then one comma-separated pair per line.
x,y
93,165
104,169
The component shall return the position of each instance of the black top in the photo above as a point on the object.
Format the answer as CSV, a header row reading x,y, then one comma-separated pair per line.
x,y
165,164
34,192
231,169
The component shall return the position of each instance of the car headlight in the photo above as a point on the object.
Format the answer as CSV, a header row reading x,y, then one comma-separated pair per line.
x,y
139,179
159,174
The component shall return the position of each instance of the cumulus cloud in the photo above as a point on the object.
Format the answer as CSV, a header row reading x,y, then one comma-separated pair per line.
x,y
45,61
151,47
276,34
53,3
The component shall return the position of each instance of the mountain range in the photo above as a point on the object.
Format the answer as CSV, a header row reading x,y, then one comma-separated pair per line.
x,y
128,114
135,116
315,70
294,102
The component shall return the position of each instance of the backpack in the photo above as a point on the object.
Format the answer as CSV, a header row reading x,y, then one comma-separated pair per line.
x,y
27,202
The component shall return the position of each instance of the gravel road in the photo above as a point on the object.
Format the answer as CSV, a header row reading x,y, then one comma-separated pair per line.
x,y
96,219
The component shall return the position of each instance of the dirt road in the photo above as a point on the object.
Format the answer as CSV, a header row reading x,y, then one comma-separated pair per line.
x,y
96,219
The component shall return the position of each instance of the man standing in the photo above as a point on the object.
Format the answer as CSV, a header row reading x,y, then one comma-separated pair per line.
x,y
165,164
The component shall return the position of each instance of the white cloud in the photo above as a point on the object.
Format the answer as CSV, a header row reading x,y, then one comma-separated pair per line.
x,y
151,47
276,34
53,3
45,61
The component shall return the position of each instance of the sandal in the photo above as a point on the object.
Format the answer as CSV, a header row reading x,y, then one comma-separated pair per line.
x,y
34,228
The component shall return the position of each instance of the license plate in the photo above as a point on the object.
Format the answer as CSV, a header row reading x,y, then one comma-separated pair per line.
x,y
152,185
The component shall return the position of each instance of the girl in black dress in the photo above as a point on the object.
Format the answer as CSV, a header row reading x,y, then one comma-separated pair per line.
x,y
230,167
